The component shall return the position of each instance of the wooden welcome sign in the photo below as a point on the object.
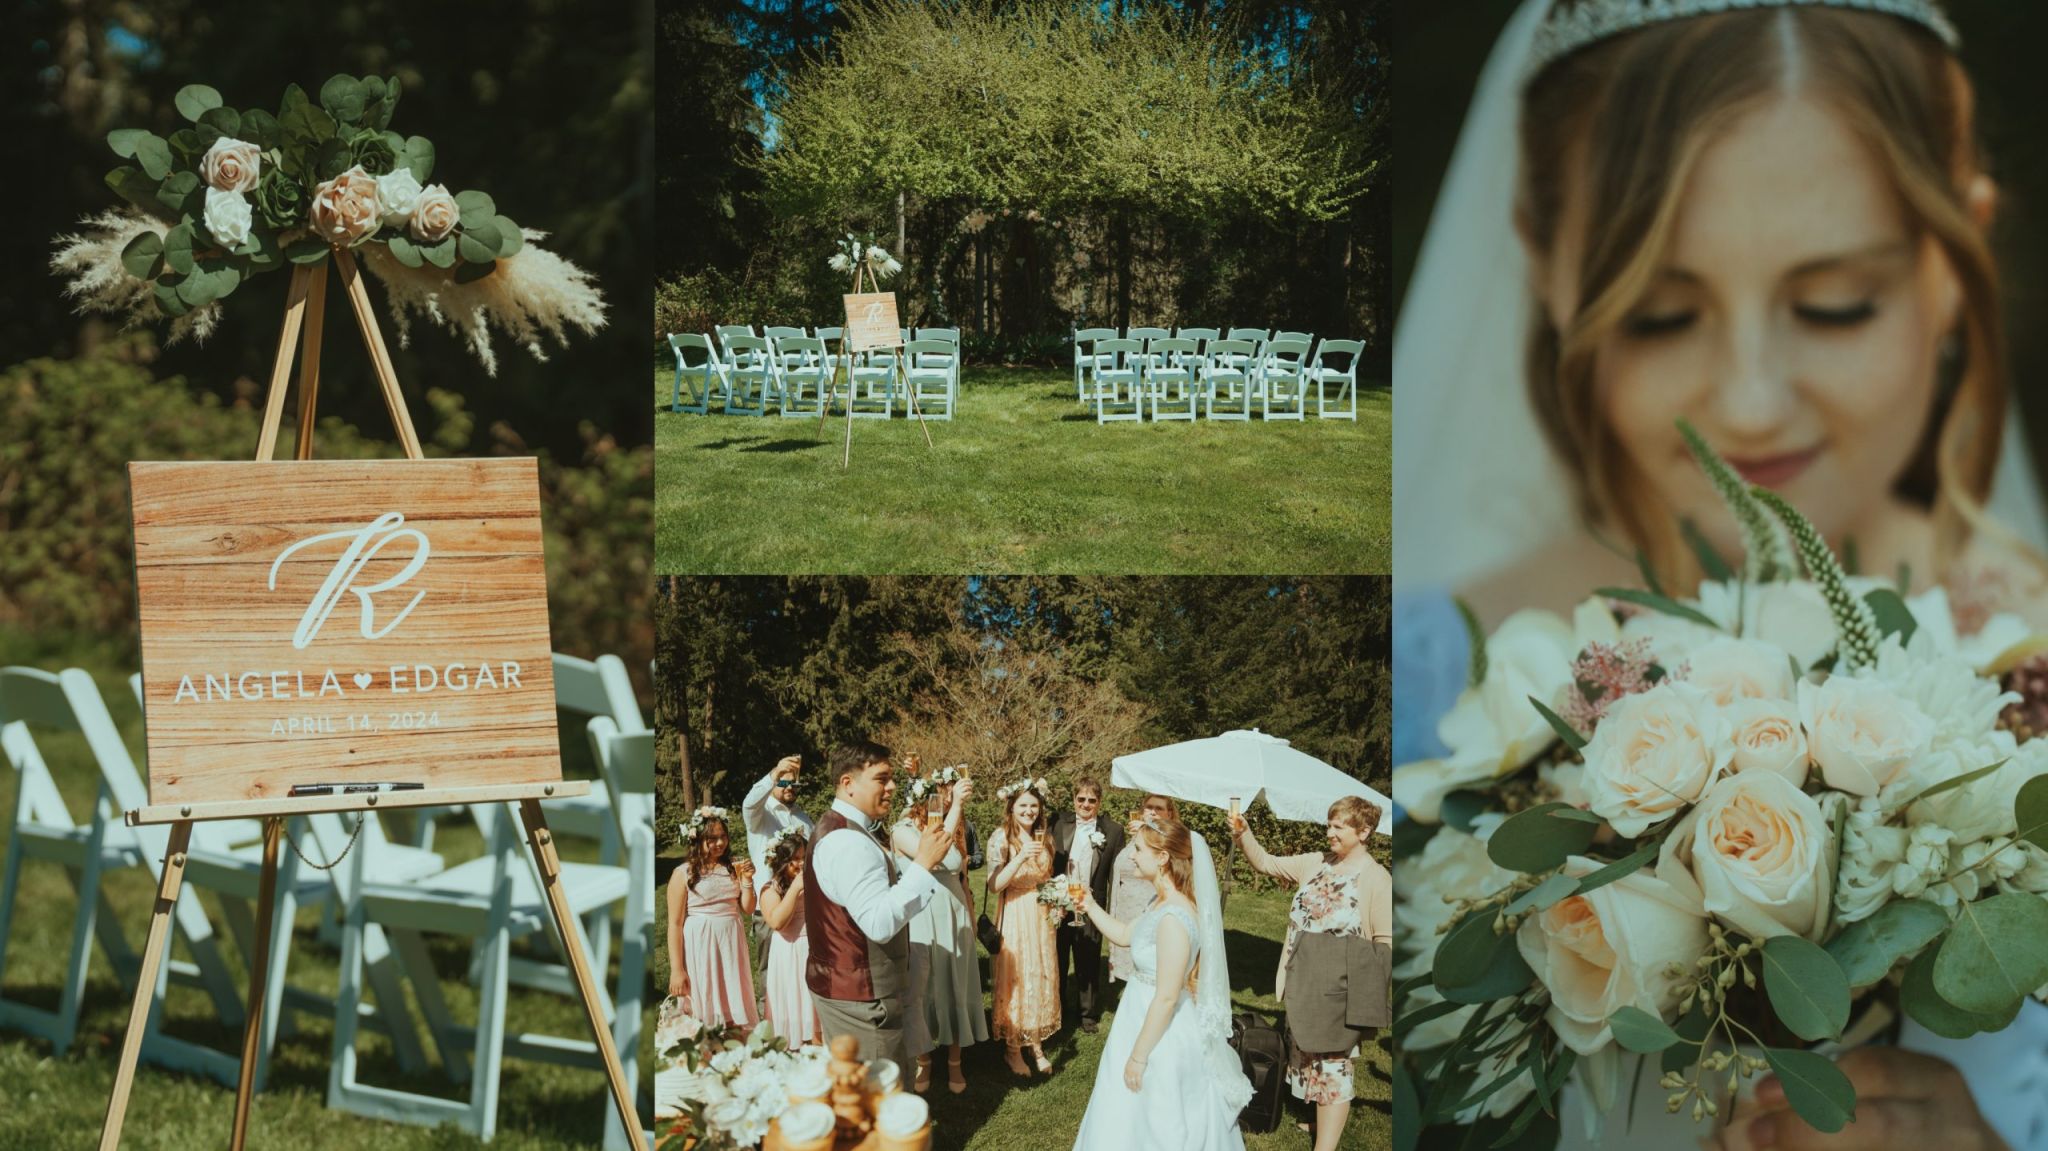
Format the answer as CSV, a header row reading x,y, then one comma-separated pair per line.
x,y
342,622
871,321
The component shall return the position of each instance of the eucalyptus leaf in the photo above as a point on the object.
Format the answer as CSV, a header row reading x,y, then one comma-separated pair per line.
x,y
1815,1087
1657,603
1541,838
1545,894
124,141
167,301
1474,964
472,271
185,142
131,185
1995,955
1893,617
484,237
306,125
1807,988
306,251
293,97
260,128
196,100
2030,810
1565,731
1619,869
1919,999
1692,1027
510,239
476,207
144,256
1407,1109
226,121
441,254
178,251
418,155
1869,948
1460,807
183,194
404,251
344,99
1638,1030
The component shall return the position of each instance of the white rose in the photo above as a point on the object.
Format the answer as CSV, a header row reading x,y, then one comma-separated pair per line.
x,y
727,1114
1730,669
1451,868
398,193
227,218
434,214
1759,849
231,165
1611,948
1492,731
725,1061
1861,734
1653,754
1767,737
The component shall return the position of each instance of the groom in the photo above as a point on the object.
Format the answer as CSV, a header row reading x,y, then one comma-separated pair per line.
x,y
1078,853
857,907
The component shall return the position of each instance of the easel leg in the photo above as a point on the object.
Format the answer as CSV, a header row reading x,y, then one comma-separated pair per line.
x,y
145,981
259,966
910,393
380,357
541,842
281,370
309,362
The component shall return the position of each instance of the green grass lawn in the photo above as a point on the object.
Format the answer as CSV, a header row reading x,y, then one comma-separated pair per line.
x,y
999,1112
56,1102
1023,480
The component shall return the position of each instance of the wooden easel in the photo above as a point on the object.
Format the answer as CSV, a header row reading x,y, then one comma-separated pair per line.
x,y
305,301
832,381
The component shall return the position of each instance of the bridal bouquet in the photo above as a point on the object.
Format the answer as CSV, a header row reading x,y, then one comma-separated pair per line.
x,y
1058,894
1698,830
728,1083
241,192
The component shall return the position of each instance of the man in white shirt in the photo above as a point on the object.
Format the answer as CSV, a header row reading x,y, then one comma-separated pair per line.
x,y
857,909
770,807
1085,848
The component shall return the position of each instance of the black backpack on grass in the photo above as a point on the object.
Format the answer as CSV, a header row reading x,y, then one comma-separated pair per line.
x,y
1262,1049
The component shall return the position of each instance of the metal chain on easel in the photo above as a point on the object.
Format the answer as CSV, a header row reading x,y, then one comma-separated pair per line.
x,y
350,846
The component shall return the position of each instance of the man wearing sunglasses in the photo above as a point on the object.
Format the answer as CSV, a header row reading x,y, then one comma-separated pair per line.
x,y
1085,847
769,807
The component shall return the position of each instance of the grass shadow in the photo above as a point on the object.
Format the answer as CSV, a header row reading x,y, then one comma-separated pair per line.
x,y
788,445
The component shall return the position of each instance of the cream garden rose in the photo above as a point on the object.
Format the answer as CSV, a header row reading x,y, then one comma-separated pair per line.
x,y
1768,737
1730,669
1759,849
1611,948
232,165
1861,734
345,208
434,214
1655,753
227,218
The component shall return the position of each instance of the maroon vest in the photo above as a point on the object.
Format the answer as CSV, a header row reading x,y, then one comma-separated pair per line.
x,y
844,963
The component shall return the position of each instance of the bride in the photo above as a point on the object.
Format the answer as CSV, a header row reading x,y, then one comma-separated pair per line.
x,y
1168,1080
1768,218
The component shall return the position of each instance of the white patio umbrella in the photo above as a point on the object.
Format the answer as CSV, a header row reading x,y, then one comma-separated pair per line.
x,y
1244,765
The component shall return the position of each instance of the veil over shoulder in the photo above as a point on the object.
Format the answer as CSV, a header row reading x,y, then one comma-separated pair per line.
x,y
1475,485
1212,985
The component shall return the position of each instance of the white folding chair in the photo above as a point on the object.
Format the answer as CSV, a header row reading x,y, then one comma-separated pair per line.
x,y
1226,380
709,370
1119,388
1172,378
931,377
1321,375
751,370
804,368
1281,380
1084,357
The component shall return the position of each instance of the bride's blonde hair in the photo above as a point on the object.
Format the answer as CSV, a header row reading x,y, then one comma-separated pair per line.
x,y
1627,119
1172,837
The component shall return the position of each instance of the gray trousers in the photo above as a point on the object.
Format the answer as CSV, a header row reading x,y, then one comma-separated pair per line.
x,y
877,1023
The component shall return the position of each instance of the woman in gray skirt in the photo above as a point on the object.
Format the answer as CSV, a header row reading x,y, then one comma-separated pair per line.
x,y
1333,973
945,964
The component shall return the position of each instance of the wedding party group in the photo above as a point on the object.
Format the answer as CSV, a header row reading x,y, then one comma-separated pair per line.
x,y
871,931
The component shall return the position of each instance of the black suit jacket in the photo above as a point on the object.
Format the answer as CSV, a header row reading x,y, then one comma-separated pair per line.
x,y
1104,869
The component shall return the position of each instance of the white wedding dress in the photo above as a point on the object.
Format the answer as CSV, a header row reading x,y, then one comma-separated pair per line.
x,y
1193,1087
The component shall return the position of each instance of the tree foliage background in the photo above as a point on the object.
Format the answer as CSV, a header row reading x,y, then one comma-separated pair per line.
x,y
547,103
1012,676
1037,165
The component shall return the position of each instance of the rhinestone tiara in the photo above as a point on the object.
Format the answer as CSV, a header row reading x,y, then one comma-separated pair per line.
x,y
1567,30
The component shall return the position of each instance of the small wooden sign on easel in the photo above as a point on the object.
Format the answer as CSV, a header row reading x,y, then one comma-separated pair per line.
x,y
341,636
870,325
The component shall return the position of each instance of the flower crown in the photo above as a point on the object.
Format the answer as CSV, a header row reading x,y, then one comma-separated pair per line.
x,y
698,818
1008,790
794,831
240,193
926,784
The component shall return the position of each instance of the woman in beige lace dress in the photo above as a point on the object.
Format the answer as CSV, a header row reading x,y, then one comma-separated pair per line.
x,y
1027,968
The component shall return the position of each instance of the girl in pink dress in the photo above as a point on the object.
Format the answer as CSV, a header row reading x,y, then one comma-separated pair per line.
x,y
709,901
788,1001
1027,968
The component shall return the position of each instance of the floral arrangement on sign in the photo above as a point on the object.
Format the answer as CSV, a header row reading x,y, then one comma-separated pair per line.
x,y
855,252
1696,831
730,1082
238,193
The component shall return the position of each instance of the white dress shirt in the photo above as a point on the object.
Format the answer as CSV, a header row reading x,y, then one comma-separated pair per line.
x,y
854,871
766,816
1081,856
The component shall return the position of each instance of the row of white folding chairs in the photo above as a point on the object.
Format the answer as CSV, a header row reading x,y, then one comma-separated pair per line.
x,y
1083,338
801,376
1178,378
376,908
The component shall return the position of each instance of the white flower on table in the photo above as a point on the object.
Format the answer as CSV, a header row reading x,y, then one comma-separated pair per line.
x,y
227,218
